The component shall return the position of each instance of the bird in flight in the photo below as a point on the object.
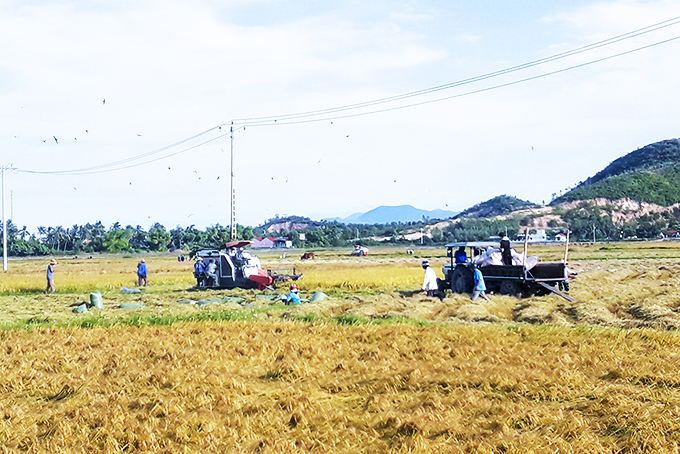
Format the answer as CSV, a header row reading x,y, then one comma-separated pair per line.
x,y
104,101
55,139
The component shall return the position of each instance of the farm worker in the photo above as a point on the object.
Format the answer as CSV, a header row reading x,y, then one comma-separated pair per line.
x,y
252,270
460,256
293,297
141,273
199,272
211,273
251,264
480,287
50,276
430,284
506,252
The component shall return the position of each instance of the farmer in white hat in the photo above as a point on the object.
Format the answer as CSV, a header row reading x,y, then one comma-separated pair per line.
x,y
430,284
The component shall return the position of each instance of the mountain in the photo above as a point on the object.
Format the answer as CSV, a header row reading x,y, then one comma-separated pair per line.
x,y
499,205
388,214
649,174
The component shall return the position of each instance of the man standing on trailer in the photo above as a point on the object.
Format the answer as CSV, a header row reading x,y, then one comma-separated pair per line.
x,y
506,251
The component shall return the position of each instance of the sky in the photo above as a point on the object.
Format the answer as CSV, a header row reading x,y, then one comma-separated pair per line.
x,y
138,98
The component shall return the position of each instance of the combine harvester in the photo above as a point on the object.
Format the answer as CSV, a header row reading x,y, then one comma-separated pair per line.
x,y
525,277
237,268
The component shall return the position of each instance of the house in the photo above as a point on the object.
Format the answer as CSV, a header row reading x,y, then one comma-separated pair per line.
x,y
283,243
538,237
262,243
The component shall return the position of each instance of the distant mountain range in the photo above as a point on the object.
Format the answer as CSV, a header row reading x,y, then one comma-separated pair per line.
x,y
387,214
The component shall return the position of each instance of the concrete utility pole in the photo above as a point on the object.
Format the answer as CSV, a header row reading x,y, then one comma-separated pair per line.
x,y
233,194
4,223
594,240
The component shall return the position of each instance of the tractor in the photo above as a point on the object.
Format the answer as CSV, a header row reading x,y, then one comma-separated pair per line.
x,y
525,277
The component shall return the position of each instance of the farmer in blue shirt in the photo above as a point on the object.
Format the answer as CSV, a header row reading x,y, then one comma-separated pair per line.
x,y
480,287
460,255
293,297
199,272
141,273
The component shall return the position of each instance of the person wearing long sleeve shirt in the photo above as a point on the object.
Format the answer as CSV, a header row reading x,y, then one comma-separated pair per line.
x,y
50,275
141,273
430,284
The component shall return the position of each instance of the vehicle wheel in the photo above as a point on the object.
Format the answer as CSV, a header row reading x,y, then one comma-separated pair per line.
x,y
509,288
461,281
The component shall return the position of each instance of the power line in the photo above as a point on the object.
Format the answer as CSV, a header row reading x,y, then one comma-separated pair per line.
x,y
599,44
101,169
460,95
325,114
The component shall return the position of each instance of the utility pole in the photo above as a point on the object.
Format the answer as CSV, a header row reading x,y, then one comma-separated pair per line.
x,y
4,223
233,194
593,233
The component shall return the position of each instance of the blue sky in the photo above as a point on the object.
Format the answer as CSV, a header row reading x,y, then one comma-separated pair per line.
x,y
116,80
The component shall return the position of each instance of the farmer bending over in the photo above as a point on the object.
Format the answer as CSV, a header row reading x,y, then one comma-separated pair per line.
x,y
430,281
293,297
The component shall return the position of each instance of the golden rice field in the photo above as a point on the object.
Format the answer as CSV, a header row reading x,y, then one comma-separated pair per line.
x,y
375,367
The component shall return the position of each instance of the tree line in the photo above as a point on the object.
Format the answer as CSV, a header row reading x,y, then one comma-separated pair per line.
x,y
97,238
583,222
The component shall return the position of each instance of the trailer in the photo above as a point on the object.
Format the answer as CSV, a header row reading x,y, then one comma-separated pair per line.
x,y
523,279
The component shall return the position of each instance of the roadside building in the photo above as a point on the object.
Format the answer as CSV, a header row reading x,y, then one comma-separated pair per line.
x,y
262,243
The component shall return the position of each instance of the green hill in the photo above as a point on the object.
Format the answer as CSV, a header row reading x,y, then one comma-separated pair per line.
x,y
649,174
499,205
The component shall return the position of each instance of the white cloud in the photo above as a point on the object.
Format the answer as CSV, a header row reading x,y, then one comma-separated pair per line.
x,y
171,69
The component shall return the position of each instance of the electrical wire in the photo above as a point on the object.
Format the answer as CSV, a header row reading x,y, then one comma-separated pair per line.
x,y
324,114
94,169
105,170
460,95
599,44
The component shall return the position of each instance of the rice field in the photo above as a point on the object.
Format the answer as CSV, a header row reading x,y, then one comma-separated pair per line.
x,y
374,367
